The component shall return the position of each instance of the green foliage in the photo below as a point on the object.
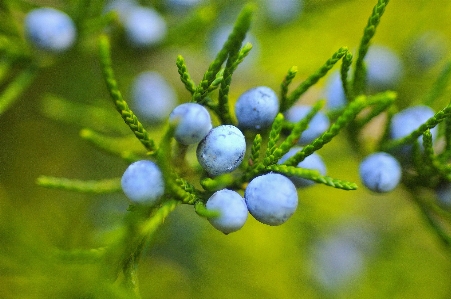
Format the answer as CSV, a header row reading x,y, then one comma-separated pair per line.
x,y
115,261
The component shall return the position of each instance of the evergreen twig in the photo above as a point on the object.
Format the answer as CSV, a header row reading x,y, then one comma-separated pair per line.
x,y
311,80
121,105
344,119
368,33
184,75
234,41
96,187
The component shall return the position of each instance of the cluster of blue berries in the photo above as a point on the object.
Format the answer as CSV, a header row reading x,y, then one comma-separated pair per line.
x,y
270,198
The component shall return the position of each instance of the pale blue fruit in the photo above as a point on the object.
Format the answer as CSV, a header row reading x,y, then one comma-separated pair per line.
x,y
380,172
384,68
408,120
152,97
271,198
256,108
222,150
334,92
50,29
232,209
142,182
144,27
193,123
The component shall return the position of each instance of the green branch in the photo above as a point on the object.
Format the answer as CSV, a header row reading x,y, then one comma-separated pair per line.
x,y
16,88
368,33
121,105
344,119
96,187
184,75
310,81
412,137
232,44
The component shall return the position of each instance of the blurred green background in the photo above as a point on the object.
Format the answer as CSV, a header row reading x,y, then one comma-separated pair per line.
x,y
339,244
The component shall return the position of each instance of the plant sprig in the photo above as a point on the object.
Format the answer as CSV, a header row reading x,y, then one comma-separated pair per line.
x,y
121,105
311,80
232,45
344,119
359,77
91,186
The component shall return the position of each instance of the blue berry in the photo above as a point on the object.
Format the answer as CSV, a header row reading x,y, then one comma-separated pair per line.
x,y
222,150
257,108
427,50
232,209
152,97
334,93
144,27
384,68
313,162
142,182
271,198
337,262
443,193
408,120
193,124
380,172
50,29
283,11
317,126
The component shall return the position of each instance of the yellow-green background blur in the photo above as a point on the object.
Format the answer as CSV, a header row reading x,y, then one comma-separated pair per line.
x,y
393,252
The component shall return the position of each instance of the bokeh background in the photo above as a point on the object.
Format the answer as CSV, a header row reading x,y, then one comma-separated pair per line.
x,y
339,244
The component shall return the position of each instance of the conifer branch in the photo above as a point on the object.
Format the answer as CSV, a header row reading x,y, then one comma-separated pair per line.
x,y
121,105
312,175
285,84
184,75
344,119
297,130
368,33
233,43
96,187
310,81
232,63
412,137
14,89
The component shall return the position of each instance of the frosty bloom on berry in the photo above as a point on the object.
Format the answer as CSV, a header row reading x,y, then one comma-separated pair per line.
x,y
222,150
271,198
232,209
142,182
256,108
193,123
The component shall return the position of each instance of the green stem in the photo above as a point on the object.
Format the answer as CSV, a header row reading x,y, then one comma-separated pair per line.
x,y
16,88
121,105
